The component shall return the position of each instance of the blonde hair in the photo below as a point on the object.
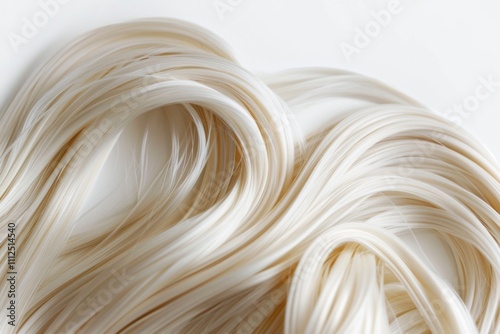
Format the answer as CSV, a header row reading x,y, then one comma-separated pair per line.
x,y
255,223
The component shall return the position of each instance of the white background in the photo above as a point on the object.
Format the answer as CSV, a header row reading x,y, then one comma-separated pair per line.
x,y
436,51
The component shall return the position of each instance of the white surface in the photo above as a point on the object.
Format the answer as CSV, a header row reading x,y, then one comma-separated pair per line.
x,y
439,52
